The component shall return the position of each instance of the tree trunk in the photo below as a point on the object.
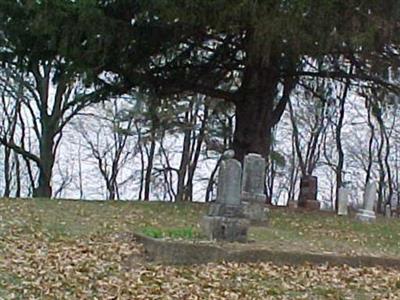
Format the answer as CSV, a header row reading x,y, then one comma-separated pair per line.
x,y
340,162
185,158
255,111
47,156
149,168
196,155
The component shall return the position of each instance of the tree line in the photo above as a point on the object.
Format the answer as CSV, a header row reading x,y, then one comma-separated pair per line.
x,y
220,74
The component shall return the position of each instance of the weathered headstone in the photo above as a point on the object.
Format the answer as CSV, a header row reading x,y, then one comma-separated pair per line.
x,y
228,190
367,214
253,178
343,201
308,193
225,220
394,206
253,195
388,211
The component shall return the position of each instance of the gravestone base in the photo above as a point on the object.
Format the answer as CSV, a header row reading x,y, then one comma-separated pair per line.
x,y
310,204
365,215
226,210
343,210
256,213
225,228
250,197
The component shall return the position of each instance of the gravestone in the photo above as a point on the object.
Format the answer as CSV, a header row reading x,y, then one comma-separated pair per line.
x,y
253,182
225,220
367,213
394,206
308,193
343,198
388,211
228,190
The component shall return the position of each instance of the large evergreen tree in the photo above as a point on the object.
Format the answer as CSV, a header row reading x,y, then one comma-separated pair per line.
x,y
252,53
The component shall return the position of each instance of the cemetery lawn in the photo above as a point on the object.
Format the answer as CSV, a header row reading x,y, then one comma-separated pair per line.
x,y
52,249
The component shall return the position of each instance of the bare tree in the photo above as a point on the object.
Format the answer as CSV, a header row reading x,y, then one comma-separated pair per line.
x,y
107,143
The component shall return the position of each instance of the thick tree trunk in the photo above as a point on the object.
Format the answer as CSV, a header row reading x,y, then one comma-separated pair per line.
x,y
255,112
47,156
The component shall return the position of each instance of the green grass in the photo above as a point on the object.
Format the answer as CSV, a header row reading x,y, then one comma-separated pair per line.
x,y
187,233
325,232
59,220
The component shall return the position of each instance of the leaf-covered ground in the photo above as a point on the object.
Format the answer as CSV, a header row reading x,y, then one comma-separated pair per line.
x,y
73,250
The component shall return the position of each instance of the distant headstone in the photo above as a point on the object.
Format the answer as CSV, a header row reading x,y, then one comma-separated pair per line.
x,y
388,211
225,220
308,193
367,213
343,198
253,195
253,178
394,205
231,182
394,201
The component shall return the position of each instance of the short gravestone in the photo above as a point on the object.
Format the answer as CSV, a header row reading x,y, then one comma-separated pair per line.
x,y
388,210
367,213
394,206
225,220
343,199
308,193
253,195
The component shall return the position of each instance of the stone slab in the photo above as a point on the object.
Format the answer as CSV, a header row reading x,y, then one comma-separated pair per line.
x,y
370,196
343,202
187,253
250,197
225,228
365,215
256,213
226,210
388,211
229,182
253,180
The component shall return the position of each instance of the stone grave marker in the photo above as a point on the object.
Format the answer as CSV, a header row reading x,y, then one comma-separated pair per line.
x,y
367,213
253,195
308,193
343,201
388,211
394,206
225,220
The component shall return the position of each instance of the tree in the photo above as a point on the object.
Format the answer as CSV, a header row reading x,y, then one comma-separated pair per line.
x,y
108,144
253,53
36,38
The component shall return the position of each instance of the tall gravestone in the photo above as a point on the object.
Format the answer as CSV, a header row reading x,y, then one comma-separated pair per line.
x,y
253,186
343,198
308,192
225,220
388,211
394,205
367,213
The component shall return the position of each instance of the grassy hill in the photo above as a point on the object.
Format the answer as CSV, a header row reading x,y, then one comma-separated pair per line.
x,y
52,249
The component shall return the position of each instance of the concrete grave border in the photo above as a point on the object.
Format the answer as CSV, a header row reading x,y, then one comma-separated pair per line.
x,y
187,253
